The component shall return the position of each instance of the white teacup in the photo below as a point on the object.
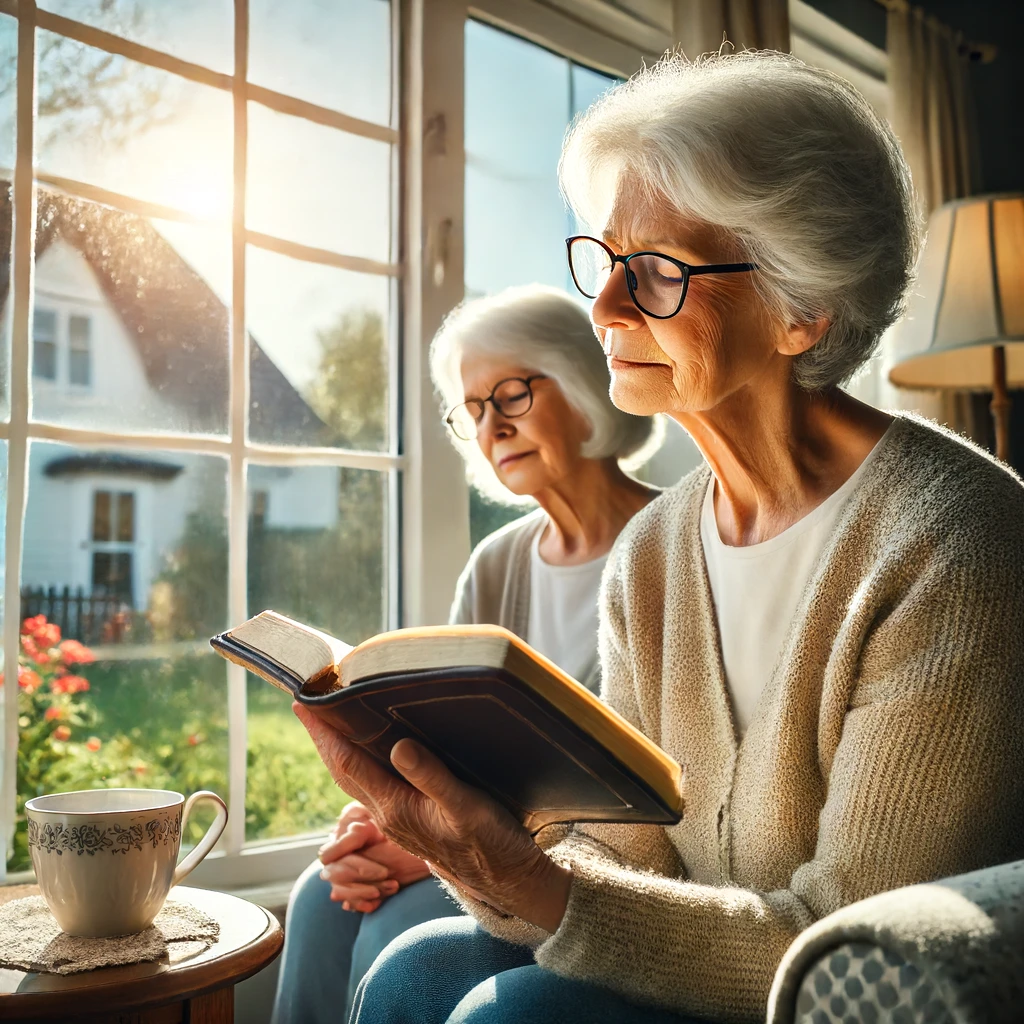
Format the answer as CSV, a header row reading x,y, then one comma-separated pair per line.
x,y
106,858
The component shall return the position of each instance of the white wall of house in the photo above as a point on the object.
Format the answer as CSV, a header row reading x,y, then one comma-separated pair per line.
x,y
296,497
118,394
58,545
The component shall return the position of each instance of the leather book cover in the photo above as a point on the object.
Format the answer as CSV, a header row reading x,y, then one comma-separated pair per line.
x,y
496,733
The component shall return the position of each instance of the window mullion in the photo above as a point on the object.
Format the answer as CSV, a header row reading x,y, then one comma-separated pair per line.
x,y
23,240
239,403
435,499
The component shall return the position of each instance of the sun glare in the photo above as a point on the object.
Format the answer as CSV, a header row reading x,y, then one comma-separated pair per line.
x,y
207,199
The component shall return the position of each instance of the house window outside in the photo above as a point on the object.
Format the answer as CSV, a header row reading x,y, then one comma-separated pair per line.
x,y
79,360
44,344
113,533
245,368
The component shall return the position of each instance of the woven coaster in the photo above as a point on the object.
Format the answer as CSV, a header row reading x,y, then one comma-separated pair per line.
x,y
31,940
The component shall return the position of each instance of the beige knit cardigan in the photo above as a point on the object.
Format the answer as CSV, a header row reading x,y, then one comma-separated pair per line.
x,y
887,747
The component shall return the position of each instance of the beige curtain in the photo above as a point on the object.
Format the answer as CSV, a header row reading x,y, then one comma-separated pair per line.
x,y
933,115
701,26
932,110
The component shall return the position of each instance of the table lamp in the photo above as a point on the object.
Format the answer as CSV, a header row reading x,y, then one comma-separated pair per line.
x,y
964,326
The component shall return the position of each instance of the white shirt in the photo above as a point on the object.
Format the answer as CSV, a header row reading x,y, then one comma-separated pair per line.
x,y
757,589
563,610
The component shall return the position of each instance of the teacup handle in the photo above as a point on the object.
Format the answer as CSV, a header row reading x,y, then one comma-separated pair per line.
x,y
207,843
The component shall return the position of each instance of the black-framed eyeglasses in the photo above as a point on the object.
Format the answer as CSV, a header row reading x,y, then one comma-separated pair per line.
x,y
511,397
657,283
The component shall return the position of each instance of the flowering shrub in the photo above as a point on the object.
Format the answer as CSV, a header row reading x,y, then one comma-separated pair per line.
x,y
56,723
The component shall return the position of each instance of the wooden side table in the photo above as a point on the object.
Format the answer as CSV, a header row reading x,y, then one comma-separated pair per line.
x,y
197,991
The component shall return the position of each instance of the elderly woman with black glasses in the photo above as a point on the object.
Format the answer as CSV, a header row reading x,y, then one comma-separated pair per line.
x,y
824,624
525,391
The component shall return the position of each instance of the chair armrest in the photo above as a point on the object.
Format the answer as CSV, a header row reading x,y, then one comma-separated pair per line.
x,y
957,943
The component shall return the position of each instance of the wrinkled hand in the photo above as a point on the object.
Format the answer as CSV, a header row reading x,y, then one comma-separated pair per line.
x,y
363,866
460,831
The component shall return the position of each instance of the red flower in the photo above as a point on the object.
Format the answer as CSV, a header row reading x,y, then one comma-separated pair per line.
x,y
51,713
139,769
75,653
47,635
28,680
62,732
70,684
29,626
42,658
194,740
93,743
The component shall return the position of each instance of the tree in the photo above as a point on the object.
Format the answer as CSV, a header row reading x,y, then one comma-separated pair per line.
x,y
86,92
349,391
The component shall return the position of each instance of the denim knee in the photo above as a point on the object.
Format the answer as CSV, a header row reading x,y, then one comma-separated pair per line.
x,y
423,974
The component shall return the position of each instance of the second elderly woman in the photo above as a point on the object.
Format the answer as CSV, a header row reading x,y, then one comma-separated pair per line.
x,y
824,624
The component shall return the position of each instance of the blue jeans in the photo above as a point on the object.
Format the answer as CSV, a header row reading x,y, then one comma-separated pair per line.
x,y
327,950
453,972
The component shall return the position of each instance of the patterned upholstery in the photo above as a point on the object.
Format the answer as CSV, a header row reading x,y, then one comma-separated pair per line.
x,y
945,952
860,983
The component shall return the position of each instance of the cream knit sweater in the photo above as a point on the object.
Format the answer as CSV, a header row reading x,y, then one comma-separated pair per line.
x,y
887,748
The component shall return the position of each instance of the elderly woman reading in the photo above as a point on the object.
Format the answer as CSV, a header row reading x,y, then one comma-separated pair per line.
x,y
525,391
824,624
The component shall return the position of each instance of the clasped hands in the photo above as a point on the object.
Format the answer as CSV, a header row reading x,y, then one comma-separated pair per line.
x,y
440,823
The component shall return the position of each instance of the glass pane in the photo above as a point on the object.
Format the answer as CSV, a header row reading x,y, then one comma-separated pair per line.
x,y
319,371
316,553
517,109
8,77
318,186
146,333
101,529
336,53
120,687
520,99
78,331
201,31
126,516
134,129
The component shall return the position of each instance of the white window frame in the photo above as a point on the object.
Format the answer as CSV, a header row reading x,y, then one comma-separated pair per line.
x,y
236,863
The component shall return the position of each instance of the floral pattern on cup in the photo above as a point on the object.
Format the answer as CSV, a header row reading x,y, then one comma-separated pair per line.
x,y
93,839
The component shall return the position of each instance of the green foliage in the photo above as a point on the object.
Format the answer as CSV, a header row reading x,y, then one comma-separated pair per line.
x,y
289,791
189,598
486,516
349,391
331,578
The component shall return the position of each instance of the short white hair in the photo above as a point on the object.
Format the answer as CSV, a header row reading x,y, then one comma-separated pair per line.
x,y
791,161
544,330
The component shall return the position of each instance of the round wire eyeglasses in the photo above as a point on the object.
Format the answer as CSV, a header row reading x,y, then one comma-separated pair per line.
x,y
510,397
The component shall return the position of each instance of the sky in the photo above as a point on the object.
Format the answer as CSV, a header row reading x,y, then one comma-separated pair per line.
x,y
306,182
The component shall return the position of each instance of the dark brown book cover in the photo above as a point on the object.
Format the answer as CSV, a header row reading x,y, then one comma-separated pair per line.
x,y
522,731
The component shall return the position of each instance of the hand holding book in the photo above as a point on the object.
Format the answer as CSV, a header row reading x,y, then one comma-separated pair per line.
x,y
464,834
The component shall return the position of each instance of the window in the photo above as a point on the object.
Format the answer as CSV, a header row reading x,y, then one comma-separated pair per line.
x,y
44,344
79,366
516,220
216,250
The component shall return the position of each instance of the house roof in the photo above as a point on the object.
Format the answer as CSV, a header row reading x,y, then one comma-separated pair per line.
x,y
179,326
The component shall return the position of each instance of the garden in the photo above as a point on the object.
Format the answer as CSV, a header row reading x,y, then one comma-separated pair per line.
x,y
86,723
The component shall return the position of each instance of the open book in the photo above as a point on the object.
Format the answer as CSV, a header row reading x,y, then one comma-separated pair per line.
x,y
500,715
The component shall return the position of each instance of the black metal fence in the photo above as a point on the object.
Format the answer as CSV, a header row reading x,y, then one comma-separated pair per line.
x,y
88,618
